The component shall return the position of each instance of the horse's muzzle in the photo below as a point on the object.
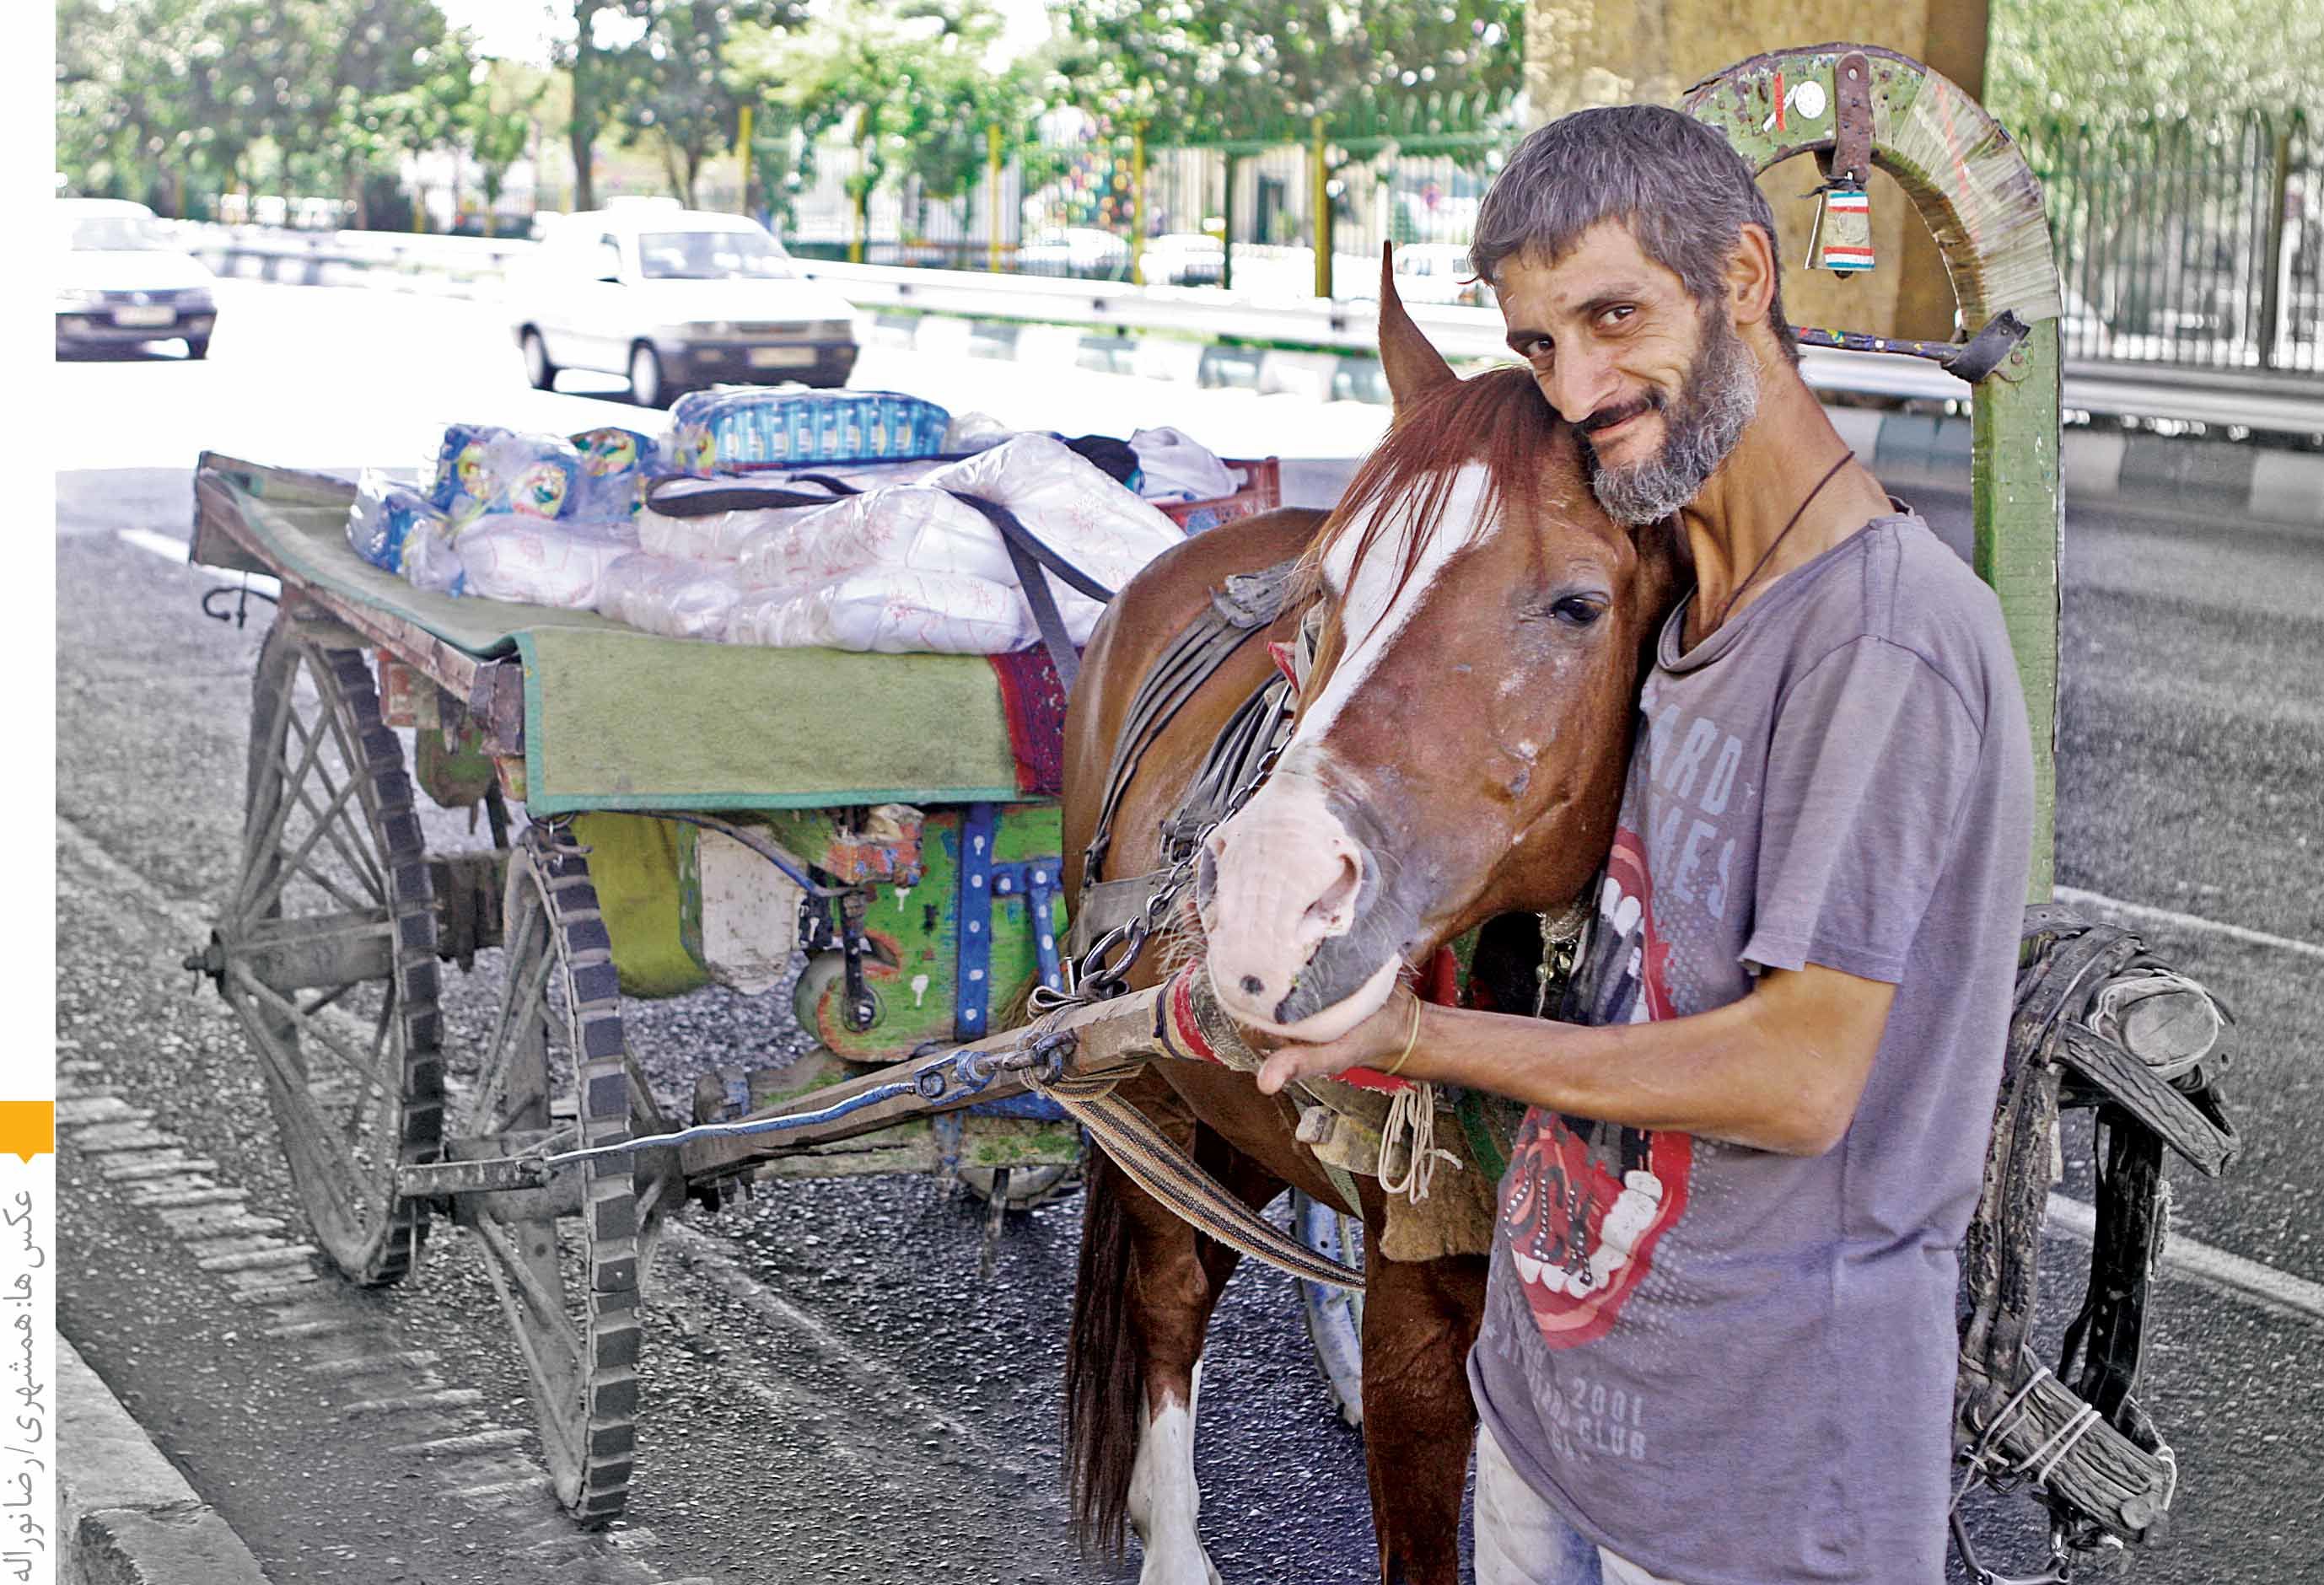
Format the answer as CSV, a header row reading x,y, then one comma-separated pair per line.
x,y
1300,943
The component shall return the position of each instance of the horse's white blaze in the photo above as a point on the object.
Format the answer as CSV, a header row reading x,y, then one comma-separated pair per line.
x,y
1288,871
1165,1502
1373,613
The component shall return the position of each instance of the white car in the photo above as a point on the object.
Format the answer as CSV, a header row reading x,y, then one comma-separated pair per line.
x,y
675,299
1074,250
123,280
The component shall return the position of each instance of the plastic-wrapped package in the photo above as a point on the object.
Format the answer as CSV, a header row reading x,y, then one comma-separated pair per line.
x,y
914,528
510,555
670,596
890,611
976,432
1085,517
384,517
431,560
461,480
718,538
737,430
481,469
615,464
1177,468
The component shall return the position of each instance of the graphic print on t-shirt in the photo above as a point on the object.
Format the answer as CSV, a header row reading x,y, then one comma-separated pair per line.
x,y
1587,1201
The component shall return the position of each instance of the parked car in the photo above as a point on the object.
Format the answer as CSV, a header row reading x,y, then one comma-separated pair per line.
x,y
1074,250
125,282
1184,258
675,299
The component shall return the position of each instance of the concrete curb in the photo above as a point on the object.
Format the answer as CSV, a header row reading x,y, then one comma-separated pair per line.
x,y
125,1516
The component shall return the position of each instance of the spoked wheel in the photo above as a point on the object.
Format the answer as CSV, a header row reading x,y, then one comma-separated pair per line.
x,y
558,1072
326,951
1335,1316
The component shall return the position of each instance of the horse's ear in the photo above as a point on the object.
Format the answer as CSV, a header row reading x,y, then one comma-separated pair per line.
x,y
1406,356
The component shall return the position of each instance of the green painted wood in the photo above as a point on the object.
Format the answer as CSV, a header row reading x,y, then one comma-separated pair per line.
x,y
1983,205
915,931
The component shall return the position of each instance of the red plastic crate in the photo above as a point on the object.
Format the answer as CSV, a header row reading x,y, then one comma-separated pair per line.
x,y
1262,491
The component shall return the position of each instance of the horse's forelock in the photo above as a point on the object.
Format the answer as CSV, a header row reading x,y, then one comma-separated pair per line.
x,y
1498,418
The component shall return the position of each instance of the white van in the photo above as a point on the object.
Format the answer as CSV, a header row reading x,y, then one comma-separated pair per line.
x,y
675,299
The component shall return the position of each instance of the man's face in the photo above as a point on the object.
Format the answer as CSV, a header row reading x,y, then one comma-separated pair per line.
x,y
1658,386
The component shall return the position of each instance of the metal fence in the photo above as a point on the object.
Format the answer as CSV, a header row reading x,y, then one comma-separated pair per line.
x,y
1073,196
2194,245
2199,246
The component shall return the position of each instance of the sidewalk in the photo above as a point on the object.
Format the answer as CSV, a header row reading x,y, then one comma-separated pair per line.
x,y
125,1516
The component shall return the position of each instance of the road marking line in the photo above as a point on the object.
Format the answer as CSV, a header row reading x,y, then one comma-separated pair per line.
x,y
447,1397
2091,900
2186,1256
474,1442
171,549
261,1260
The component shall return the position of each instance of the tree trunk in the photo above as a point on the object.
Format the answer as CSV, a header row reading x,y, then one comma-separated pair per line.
x,y
582,130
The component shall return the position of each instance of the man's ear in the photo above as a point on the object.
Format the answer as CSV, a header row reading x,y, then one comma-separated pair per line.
x,y
1752,277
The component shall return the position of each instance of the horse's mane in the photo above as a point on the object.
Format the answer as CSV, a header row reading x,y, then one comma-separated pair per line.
x,y
1498,417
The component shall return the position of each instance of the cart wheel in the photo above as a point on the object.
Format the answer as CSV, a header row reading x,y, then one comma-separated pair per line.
x,y
1335,1316
326,951
558,1072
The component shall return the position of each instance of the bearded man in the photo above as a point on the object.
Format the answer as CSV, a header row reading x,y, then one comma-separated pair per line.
x,y
1719,1345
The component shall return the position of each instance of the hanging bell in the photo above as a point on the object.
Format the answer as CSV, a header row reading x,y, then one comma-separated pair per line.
x,y
1840,241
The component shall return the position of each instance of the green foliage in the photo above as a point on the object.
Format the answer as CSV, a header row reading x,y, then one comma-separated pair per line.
x,y
905,82
177,101
1202,71
2149,61
496,124
671,84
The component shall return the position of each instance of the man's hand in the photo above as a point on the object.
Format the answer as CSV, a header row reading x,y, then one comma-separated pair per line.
x,y
1375,1043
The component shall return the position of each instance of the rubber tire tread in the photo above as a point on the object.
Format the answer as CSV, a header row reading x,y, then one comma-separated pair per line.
x,y
613,1335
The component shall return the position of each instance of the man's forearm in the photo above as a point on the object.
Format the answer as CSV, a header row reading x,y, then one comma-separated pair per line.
x,y
1734,1074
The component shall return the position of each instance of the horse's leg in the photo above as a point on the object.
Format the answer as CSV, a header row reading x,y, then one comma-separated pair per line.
x,y
1420,1318
1143,1301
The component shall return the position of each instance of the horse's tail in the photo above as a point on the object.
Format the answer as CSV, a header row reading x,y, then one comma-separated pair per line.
x,y
1105,1377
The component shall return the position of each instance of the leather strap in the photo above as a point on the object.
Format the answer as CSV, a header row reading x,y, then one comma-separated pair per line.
x,y
1154,1162
1031,556
668,496
1249,603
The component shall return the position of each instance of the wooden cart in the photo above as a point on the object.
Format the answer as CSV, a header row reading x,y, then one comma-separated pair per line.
x,y
638,794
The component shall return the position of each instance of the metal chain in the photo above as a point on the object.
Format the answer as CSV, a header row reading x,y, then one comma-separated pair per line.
x,y
1100,972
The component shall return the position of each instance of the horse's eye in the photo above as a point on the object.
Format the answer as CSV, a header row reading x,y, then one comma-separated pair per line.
x,y
1581,610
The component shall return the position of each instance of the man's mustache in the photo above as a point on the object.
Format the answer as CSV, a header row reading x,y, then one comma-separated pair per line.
x,y
1605,417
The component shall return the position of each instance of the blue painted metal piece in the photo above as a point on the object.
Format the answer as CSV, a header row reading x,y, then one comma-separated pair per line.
x,y
973,986
981,883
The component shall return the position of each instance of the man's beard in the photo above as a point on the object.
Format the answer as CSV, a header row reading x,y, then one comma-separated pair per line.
x,y
1716,405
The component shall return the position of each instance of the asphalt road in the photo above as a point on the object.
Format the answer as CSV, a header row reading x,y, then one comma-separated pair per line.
x,y
832,1391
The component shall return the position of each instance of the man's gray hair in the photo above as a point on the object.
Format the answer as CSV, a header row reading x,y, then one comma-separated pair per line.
x,y
1682,190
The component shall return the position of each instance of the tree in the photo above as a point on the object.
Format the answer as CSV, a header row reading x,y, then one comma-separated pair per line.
x,y
907,81
497,124
674,89
2149,61
164,98
1195,73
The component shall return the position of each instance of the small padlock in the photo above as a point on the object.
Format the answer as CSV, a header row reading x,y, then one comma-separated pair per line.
x,y
1840,240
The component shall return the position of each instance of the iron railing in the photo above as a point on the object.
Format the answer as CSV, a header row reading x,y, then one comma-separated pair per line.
x,y
2193,245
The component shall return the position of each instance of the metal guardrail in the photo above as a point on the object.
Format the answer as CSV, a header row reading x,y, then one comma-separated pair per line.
x,y
1349,326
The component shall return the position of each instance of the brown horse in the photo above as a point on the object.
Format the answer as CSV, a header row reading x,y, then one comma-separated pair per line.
x,y
1457,755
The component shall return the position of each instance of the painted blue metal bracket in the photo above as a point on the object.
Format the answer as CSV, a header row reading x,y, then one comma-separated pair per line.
x,y
983,883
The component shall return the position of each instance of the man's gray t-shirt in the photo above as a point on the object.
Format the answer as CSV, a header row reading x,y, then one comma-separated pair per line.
x,y
1724,1364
